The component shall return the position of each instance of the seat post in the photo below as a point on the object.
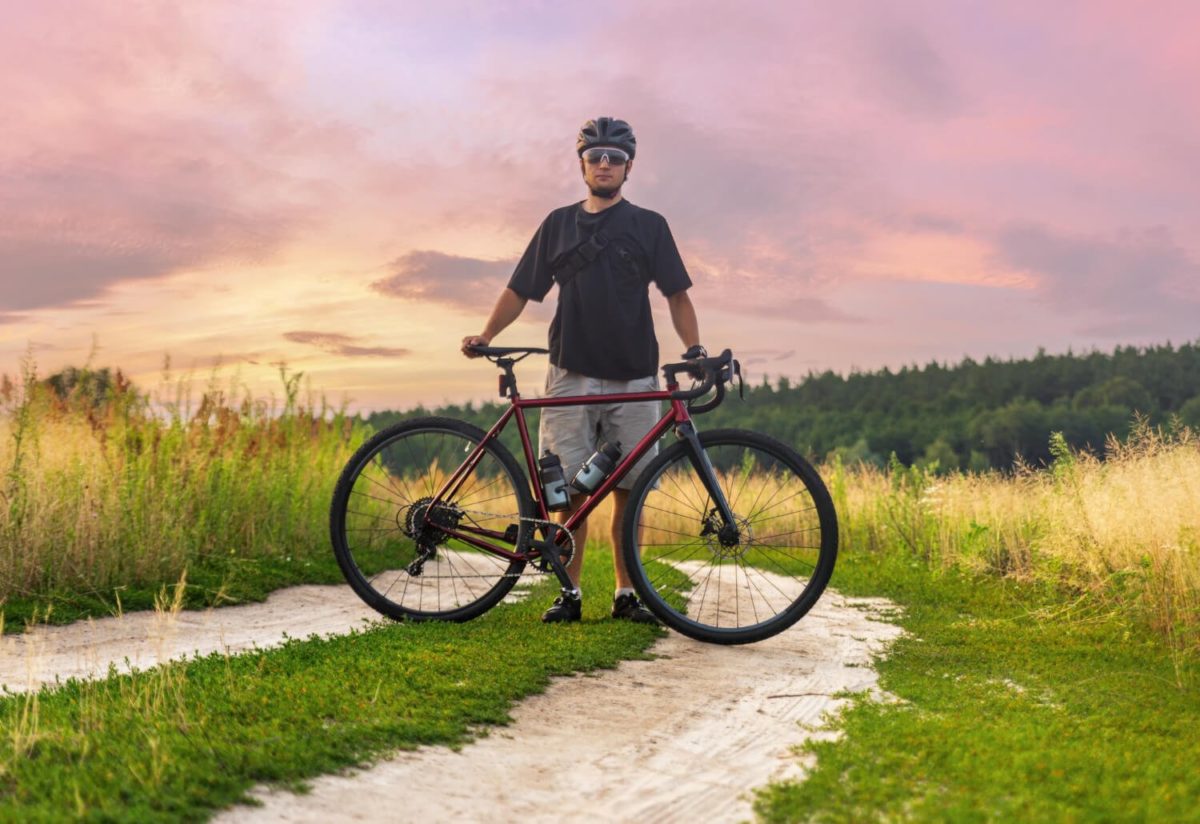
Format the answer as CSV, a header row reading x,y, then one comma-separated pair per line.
x,y
508,381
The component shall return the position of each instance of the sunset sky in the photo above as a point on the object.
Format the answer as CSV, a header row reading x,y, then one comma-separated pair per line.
x,y
345,186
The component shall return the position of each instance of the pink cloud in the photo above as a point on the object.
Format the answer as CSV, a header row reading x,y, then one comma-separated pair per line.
x,y
1132,283
336,343
135,149
799,152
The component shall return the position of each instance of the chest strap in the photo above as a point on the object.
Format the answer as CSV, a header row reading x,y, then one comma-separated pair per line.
x,y
574,260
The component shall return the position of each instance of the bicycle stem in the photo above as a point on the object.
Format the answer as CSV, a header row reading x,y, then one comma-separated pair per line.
x,y
704,469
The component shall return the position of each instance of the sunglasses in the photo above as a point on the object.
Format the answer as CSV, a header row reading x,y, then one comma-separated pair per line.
x,y
614,157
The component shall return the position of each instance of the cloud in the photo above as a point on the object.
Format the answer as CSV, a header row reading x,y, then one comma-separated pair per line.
x,y
908,72
801,152
801,310
780,291
452,280
145,140
344,345
752,357
1131,282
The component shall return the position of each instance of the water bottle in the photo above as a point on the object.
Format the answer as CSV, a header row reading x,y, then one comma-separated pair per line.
x,y
554,484
596,468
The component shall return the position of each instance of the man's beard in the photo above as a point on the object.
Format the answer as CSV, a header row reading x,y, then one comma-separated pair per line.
x,y
608,193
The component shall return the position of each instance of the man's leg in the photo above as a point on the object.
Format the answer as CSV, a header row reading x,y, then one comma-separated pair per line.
x,y
565,607
628,423
620,498
570,433
626,604
576,566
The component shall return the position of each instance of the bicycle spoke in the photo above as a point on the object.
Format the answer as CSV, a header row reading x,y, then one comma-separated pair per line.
x,y
677,549
679,487
387,488
372,497
741,583
791,558
793,532
733,502
750,583
379,464
673,531
784,501
453,582
465,497
375,518
788,515
451,574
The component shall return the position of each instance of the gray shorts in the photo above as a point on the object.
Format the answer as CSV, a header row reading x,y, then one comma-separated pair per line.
x,y
573,432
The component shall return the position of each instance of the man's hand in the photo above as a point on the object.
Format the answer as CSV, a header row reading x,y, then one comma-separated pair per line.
x,y
695,353
508,307
474,340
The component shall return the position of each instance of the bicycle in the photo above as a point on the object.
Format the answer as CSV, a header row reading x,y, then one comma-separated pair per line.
x,y
730,536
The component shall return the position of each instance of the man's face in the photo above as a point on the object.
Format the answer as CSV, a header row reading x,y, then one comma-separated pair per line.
x,y
604,178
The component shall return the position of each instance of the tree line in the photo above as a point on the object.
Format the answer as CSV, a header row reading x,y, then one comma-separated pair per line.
x,y
974,415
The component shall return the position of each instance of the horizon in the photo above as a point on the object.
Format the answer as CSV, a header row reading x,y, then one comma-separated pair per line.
x,y
345,186
191,378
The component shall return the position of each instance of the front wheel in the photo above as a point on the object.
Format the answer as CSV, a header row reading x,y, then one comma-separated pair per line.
x,y
397,543
722,583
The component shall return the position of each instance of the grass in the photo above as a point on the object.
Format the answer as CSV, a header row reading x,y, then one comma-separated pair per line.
x,y
1050,668
1124,533
105,498
179,741
1049,673
1010,701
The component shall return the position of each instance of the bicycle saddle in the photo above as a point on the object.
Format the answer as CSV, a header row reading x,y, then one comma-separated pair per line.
x,y
500,351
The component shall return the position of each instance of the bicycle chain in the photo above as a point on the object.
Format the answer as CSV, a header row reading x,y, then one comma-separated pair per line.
x,y
536,562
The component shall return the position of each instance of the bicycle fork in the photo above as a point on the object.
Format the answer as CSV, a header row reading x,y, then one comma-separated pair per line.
x,y
704,468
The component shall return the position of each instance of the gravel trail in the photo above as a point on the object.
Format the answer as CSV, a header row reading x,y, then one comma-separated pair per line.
x,y
678,738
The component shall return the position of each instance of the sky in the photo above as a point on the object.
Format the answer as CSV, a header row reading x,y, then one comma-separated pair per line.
x,y
344,187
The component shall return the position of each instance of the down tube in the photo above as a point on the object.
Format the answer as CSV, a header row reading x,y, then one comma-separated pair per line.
x,y
635,454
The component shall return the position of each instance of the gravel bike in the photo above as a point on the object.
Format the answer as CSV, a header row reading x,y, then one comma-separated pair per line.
x,y
730,536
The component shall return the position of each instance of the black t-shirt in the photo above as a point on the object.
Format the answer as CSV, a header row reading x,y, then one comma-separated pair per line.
x,y
602,327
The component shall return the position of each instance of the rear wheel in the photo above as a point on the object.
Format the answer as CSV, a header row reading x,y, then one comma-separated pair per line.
x,y
730,584
394,544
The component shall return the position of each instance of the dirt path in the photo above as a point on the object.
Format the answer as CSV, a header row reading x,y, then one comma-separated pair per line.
x,y
143,639
678,738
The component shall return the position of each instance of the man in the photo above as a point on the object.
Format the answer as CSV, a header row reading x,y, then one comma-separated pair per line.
x,y
603,252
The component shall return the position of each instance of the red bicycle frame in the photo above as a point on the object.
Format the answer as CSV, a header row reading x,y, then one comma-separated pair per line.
x,y
675,416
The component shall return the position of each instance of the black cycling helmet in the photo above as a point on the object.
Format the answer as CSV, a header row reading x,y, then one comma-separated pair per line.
x,y
606,131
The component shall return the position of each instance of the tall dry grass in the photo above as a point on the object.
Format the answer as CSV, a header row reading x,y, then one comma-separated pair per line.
x,y
123,489
1124,531
99,493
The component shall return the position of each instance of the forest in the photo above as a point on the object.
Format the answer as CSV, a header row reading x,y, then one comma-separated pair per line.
x,y
972,415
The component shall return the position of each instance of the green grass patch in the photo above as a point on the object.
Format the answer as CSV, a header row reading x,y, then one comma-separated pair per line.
x,y
212,581
1015,703
179,741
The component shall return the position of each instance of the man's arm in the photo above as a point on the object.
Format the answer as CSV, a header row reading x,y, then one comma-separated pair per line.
x,y
507,309
683,317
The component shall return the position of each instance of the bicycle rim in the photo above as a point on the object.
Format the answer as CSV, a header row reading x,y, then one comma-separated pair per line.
x,y
727,586
392,541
